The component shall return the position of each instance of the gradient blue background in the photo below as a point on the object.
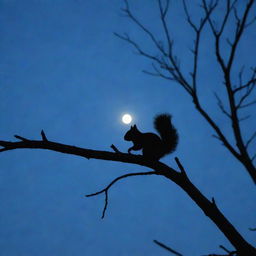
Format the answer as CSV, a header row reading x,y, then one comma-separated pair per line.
x,y
62,70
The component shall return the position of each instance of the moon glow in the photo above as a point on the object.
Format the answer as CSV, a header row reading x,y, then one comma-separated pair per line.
x,y
127,118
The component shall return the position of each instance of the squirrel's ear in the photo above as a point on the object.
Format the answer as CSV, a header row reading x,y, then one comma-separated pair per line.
x,y
135,127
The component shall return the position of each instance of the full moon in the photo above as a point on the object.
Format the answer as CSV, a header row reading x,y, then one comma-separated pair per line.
x,y
126,119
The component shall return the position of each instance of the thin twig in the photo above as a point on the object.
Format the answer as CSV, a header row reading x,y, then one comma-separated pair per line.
x,y
221,106
105,190
43,136
20,138
147,31
126,38
115,148
182,170
167,248
250,140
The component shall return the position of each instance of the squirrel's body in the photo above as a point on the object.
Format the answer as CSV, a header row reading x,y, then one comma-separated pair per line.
x,y
153,147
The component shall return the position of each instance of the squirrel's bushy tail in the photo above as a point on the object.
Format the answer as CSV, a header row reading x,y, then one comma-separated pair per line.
x,y
167,131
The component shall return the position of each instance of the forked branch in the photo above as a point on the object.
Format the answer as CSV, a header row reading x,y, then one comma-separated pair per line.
x,y
168,61
105,190
180,178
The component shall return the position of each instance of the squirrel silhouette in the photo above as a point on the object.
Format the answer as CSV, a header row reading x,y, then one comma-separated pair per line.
x,y
154,147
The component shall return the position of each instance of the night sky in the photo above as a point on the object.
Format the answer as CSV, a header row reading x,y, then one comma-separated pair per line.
x,y
63,70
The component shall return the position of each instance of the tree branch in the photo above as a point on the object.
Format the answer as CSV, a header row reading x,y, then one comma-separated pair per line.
x,y
173,67
250,139
221,106
126,38
243,155
105,190
169,249
127,11
208,207
229,253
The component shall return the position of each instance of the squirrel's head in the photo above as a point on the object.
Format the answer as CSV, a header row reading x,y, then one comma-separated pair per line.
x,y
132,133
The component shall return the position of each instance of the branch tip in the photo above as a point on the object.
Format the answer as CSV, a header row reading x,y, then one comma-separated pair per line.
x,y
182,170
20,138
115,148
214,202
43,136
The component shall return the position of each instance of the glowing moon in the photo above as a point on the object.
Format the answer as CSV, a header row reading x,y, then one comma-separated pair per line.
x,y
126,119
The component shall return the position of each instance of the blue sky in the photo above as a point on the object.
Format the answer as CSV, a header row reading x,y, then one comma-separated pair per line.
x,y
63,70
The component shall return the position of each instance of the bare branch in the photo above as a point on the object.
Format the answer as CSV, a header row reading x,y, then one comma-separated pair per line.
x,y
229,253
43,135
105,190
189,17
159,169
248,104
250,83
166,8
182,170
253,81
225,249
241,23
158,73
176,74
147,31
115,148
244,97
250,22
217,34
206,8
216,137
198,31
126,38
163,13
216,128
226,69
167,248
175,69
244,118
229,8
221,106
20,138
251,139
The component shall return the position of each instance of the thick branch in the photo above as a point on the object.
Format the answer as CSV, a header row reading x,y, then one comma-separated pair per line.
x,y
207,206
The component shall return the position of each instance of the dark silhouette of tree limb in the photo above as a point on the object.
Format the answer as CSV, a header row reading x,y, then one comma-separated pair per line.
x,y
209,208
105,190
166,65
169,249
229,253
